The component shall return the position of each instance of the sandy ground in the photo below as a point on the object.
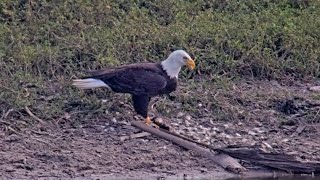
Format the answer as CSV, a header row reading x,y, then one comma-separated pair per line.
x,y
93,149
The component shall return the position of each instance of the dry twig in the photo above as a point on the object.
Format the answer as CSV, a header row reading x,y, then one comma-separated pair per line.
x,y
34,116
133,136
5,115
14,131
5,122
299,130
42,133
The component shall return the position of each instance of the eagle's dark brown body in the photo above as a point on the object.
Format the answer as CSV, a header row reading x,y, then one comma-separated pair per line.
x,y
142,81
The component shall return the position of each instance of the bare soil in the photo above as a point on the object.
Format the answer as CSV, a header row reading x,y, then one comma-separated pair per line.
x,y
279,117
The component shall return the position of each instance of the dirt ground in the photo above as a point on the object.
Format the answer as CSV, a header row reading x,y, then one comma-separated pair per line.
x,y
278,117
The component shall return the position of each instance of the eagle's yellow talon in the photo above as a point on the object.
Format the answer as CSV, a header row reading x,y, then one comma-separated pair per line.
x,y
148,121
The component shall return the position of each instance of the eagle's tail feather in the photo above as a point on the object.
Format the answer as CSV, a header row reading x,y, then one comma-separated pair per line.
x,y
88,83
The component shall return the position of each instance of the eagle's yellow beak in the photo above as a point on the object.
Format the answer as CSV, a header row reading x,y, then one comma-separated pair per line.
x,y
190,64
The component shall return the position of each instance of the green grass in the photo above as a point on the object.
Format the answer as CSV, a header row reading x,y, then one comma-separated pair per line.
x,y
44,44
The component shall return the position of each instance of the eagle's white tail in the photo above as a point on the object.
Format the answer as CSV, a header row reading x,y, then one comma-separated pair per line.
x,y
88,83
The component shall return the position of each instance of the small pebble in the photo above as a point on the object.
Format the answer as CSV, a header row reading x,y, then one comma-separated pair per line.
x,y
252,133
187,117
180,114
175,124
159,120
263,138
259,130
114,120
258,123
206,142
212,133
224,135
267,145
285,140
215,129
187,123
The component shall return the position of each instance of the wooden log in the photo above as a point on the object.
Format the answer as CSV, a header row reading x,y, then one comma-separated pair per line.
x,y
223,160
278,161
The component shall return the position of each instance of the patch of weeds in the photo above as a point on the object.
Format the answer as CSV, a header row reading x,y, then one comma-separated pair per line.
x,y
48,43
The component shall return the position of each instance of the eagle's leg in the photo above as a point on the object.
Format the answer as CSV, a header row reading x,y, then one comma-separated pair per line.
x,y
140,104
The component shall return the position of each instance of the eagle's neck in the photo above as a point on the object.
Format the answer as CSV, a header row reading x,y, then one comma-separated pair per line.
x,y
171,67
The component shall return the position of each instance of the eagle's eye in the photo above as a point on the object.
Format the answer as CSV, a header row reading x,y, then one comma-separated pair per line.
x,y
185,58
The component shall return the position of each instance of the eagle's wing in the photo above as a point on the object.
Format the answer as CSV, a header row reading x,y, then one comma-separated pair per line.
x,y
138,81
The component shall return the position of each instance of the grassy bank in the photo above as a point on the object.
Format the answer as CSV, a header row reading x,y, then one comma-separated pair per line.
x,y
43,45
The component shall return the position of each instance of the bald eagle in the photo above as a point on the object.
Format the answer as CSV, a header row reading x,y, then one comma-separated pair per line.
x,y
141,80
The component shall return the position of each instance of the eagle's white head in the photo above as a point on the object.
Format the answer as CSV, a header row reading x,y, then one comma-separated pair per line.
x,y
172,65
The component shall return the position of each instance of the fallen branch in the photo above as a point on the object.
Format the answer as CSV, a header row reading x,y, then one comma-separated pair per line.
x,y
225,156
223,160
279,161
33,116
133,136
